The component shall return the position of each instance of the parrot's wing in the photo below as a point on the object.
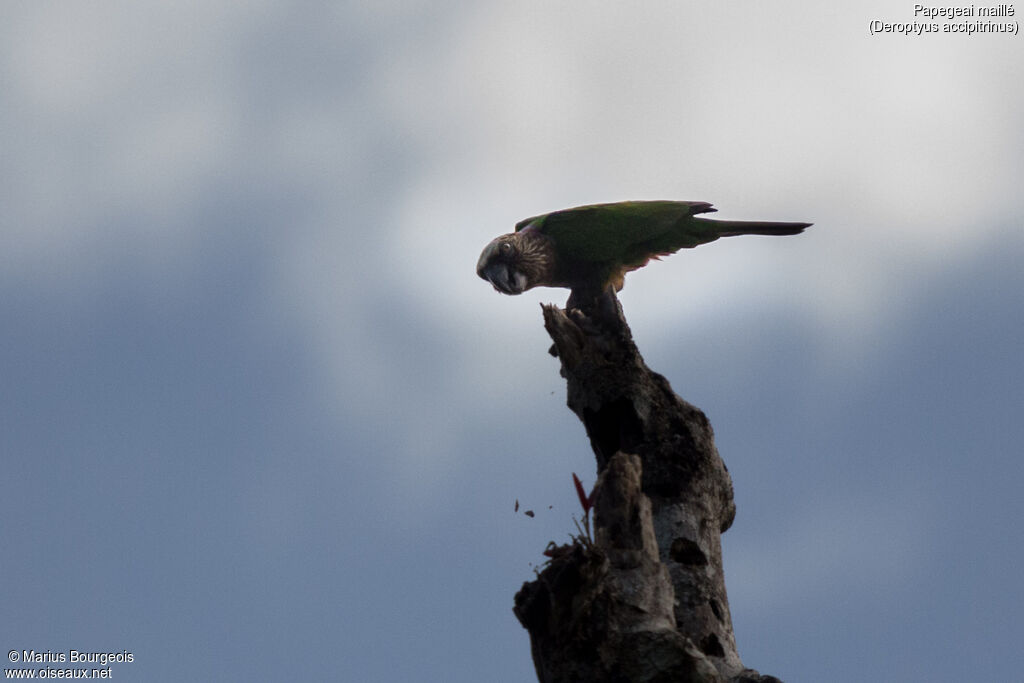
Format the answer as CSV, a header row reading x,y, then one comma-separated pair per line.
x,y
624,233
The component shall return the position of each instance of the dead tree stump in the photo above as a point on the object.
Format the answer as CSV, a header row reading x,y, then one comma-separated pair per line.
x,y
645,601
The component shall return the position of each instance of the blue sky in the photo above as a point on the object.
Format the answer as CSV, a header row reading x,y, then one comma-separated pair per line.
x,y
261,421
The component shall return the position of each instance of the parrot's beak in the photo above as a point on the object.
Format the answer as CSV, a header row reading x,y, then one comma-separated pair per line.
x,y
503,277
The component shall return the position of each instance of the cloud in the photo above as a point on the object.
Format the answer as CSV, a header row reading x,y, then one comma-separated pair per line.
x,y
371,154
441,139
901,159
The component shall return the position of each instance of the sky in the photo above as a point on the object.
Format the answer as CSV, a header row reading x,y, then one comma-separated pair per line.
x,y
261,420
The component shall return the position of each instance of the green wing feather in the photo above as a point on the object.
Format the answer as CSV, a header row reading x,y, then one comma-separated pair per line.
x,y
599,243
625,233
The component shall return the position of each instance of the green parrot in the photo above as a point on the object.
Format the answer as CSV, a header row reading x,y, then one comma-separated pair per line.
x,y
589,249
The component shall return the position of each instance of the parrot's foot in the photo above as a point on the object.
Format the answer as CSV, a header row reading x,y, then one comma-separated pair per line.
x,y
602,306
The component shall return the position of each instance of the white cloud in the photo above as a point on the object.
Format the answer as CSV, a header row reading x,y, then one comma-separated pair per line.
x,y
901,158
445,136
122,113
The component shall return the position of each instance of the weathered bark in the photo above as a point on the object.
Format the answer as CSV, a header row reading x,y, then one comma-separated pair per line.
x,y
646,601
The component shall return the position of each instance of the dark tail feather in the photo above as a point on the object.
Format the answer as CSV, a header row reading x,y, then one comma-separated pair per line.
x,y
733,228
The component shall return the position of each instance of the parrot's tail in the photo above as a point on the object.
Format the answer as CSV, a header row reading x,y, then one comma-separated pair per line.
x,y
733,228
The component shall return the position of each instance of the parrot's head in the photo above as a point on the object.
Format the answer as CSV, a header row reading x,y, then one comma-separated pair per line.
x,y
499,265
515,262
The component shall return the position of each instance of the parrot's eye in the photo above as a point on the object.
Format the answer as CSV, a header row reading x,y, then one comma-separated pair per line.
x,y
505,247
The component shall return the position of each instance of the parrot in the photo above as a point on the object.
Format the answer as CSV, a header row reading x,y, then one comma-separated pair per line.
x,y
589,249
